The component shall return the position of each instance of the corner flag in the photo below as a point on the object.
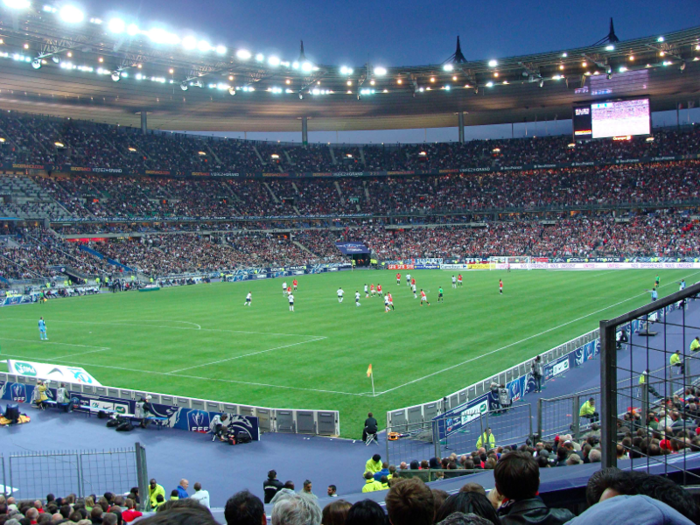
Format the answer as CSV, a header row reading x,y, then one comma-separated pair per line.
x,y
369,370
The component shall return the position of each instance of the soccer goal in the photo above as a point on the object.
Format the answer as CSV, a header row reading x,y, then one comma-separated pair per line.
x,y
506,263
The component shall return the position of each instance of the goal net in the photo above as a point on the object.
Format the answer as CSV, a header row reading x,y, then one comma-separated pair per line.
x,y
506,263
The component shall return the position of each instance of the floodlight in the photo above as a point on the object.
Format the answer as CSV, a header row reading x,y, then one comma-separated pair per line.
x,y
71,14
660,39
161,36
259,57
220,50
184,86
344,70
295,65
493,63
59,144
17,4
489,84
380,71
610,48
231,91
273,61
243,54
542,82
132,30
116,76
307,66
448,67
204,46
189,43
36,63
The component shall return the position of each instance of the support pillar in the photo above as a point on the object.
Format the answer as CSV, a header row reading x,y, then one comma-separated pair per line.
x,y
144,122
460,124
304,131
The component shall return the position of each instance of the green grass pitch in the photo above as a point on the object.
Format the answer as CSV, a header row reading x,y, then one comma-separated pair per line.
x,y
200,341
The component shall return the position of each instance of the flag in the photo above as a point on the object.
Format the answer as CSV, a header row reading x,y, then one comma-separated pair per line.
x,y
369,370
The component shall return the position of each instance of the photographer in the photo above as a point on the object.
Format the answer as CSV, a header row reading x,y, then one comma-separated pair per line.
x,y
218,425
143,410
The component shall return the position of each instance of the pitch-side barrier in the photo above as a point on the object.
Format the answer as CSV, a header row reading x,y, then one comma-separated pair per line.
x,y
179,412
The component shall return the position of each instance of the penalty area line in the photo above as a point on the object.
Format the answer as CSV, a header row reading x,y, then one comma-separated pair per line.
x,y
97,348
244,355
475,358
209,379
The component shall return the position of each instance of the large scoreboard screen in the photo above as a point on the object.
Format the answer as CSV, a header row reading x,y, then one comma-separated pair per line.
x,y
614,118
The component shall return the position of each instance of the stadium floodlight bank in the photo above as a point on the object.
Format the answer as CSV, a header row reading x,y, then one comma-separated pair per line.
x,y
651,352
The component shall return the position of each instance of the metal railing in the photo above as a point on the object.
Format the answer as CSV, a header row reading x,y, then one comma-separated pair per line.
x,y
33,475
659,348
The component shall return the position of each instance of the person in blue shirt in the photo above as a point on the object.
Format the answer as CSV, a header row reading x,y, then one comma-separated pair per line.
x,y
182,489
42,329
654,294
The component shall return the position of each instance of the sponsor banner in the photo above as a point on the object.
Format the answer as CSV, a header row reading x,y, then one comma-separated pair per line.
x,y
401,267
69,374
426,267
478,266
454,419
460,267
602,266
109,406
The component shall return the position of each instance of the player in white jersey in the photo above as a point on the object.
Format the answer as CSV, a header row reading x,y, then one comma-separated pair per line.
x,y
290,297
454,282
357,297
386,304
408,279
340,295
284,287
413,288
248,299
366,291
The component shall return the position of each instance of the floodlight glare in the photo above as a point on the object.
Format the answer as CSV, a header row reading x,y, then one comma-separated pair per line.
x,y
380,71
189,43
16,4
184,86
55,59
204,46
36,63
116,76
220,50
231,91
273,61
448,67
307,66
71,14
259,57
161,36
295,65
132,30
610,48
116,26
243,54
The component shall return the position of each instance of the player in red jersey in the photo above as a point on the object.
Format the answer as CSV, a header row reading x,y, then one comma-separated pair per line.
x,y
390,300
371,289
500,286
413,282
398,279
423,297
289,290
379,289
295,283
459,280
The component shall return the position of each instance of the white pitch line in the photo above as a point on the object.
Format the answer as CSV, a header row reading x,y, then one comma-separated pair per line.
x,y
49,342
245,355
168,327
475,358
209,379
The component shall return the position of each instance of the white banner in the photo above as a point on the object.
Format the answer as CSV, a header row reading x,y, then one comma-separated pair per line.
x,y
461,267
69,374
601,266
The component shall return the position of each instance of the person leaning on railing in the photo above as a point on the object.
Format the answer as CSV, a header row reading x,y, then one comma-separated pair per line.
x,y
487,440
588,410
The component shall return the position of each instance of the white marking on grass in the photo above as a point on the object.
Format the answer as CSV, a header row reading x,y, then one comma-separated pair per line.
x,y
208,379
198,327
475,358
98,348
245,355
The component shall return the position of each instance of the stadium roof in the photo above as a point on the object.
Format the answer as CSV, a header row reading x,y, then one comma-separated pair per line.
x,y
109,71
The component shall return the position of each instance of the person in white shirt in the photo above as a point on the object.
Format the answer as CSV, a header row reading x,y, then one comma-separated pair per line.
x,y
284,287
291,302
454,282
357,298
415,295
366,292
201,495
340,295
408,279
248,299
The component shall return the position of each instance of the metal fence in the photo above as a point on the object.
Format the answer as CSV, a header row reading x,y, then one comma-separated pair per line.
x,y
510,426
659,348
33,475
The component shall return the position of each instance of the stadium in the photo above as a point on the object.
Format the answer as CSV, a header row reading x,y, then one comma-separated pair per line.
x,y
449,310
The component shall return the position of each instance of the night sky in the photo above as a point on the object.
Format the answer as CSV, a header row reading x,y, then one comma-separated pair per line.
x,y
392,33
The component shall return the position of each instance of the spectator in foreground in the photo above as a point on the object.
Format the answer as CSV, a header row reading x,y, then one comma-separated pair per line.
x,y
631,510
243,508
201,495
335,513
366,512
296,509
410,502
471,502
189,515
517,478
